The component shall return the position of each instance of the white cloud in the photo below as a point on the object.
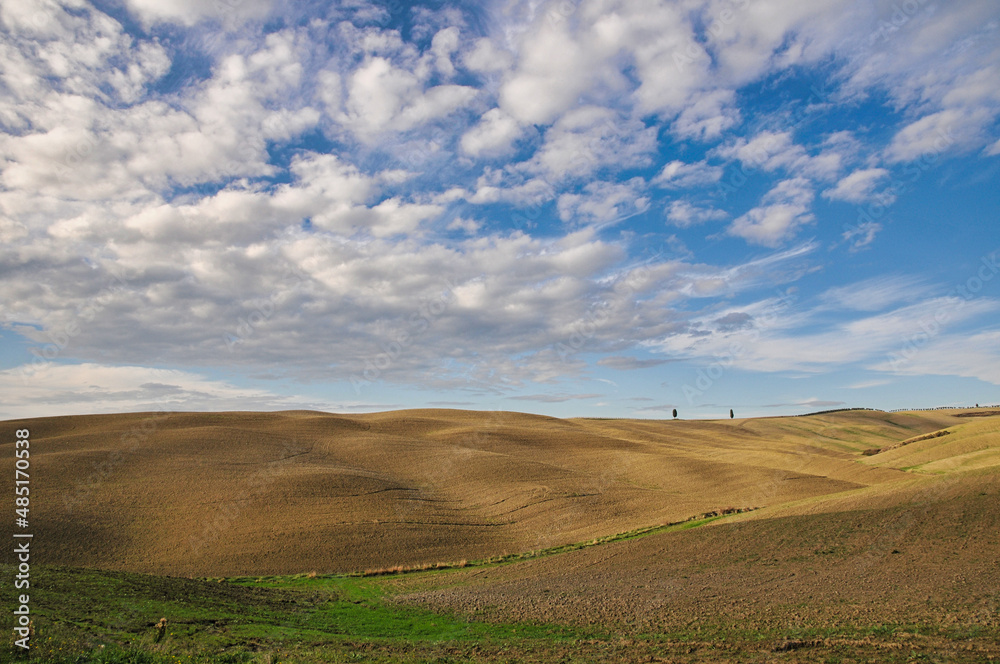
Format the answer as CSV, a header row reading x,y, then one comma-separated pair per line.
x,y
707,116
469,226
190,12
877,293
87,151
931,134
552,70
937,61
771,151
494,135
867,384
555,398
11,230
968,355
862,235
561,61
683,214
187,302
779,267
782,33
485,56
680,175
201,187
73,389
782,211
604,202
588,138
445,43
778,338
377,93
336,196
383,97
82,51
857,187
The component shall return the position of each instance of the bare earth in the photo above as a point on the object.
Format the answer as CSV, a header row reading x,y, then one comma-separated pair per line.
x,y
906,536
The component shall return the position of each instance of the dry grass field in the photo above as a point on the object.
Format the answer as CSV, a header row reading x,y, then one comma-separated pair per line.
x,y
289,492
862,518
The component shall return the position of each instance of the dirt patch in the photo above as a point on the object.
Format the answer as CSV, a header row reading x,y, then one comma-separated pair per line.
x,y
928,560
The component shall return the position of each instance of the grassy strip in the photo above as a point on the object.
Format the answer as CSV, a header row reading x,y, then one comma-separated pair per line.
x,y
691,522
102,617
84,616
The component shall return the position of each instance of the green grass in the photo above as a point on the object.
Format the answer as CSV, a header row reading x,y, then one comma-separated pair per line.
x,y
693,522
101,617
77,611
84,616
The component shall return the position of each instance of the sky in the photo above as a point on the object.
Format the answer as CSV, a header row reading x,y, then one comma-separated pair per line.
x,y
606,208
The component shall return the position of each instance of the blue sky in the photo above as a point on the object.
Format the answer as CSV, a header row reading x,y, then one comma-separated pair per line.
x,y
597,208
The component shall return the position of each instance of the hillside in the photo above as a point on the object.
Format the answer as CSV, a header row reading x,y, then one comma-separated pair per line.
x,y
288,492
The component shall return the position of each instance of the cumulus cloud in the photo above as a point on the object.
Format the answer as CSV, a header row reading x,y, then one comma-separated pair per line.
x,y
683,214
383,97
587,139
708,116
292,195
782,211
858,186
190,12
771,151
604,202
931,134
485,56
494,135
680,175
469,226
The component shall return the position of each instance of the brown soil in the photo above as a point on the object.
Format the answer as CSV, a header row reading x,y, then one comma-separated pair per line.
x,y
930,559
268,493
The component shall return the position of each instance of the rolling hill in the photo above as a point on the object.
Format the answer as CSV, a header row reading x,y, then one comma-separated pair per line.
x,y
289,492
